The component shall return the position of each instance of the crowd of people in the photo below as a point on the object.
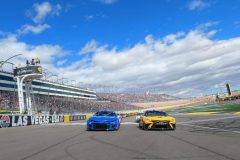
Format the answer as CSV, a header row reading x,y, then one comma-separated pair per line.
x,y
137,97
43,103
8,100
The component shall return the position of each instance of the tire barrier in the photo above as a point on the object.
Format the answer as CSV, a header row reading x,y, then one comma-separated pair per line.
x,y
25,120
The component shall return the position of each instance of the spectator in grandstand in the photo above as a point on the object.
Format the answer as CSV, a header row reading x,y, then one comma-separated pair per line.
x,y
131,98
9,100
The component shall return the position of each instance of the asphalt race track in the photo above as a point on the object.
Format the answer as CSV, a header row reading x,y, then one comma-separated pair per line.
x,y
197,137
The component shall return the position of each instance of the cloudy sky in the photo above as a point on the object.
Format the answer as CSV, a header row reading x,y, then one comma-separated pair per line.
x,y
187,47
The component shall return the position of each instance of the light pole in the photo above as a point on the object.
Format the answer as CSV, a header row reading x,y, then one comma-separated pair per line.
x,y
7,63
3,62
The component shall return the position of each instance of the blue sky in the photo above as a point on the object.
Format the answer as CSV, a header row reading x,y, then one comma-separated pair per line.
x,y
114,29
122,23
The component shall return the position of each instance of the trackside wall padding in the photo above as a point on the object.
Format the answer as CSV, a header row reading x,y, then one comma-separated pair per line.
x,y
66,118
88,116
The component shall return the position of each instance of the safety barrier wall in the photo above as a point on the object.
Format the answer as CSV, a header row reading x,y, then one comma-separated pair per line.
x,y
88,116
66,118
25,120
77,117
9,120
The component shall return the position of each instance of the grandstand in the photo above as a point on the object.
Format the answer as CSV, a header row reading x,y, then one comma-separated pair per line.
x,y
55,97
50,96
43,87
136,97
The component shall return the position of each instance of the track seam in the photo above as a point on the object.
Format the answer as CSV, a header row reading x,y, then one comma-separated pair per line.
x,y
201,147
51,146
127,149
66,149
211,128
210,119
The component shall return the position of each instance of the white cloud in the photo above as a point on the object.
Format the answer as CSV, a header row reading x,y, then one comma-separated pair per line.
x,y
185,63
33,29
197,5
41,11
108,1
10,46
44,9
172,37
94,16
62,62
206,25
92,46
192,62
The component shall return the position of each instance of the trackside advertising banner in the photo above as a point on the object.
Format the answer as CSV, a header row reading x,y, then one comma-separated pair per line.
x,y
24,120
77,117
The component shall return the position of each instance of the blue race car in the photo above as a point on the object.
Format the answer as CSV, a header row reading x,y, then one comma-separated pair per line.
x,y
104,120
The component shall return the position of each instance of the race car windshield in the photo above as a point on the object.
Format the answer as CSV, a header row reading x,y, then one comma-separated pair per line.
x,y
155,113
110,114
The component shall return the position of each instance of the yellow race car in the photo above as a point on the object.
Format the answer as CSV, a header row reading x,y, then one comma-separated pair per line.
x,y
153,119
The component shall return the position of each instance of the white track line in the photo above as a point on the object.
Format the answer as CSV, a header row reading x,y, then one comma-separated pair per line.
x,y
211,128
186,123
84,124
135,123
188,114
210,119
66,124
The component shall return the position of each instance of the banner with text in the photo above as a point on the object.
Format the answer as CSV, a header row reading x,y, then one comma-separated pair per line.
x,y
24,120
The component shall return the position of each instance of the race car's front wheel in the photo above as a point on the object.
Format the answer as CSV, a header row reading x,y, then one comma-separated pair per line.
x,y
117,128
145,127
140,124
174,127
